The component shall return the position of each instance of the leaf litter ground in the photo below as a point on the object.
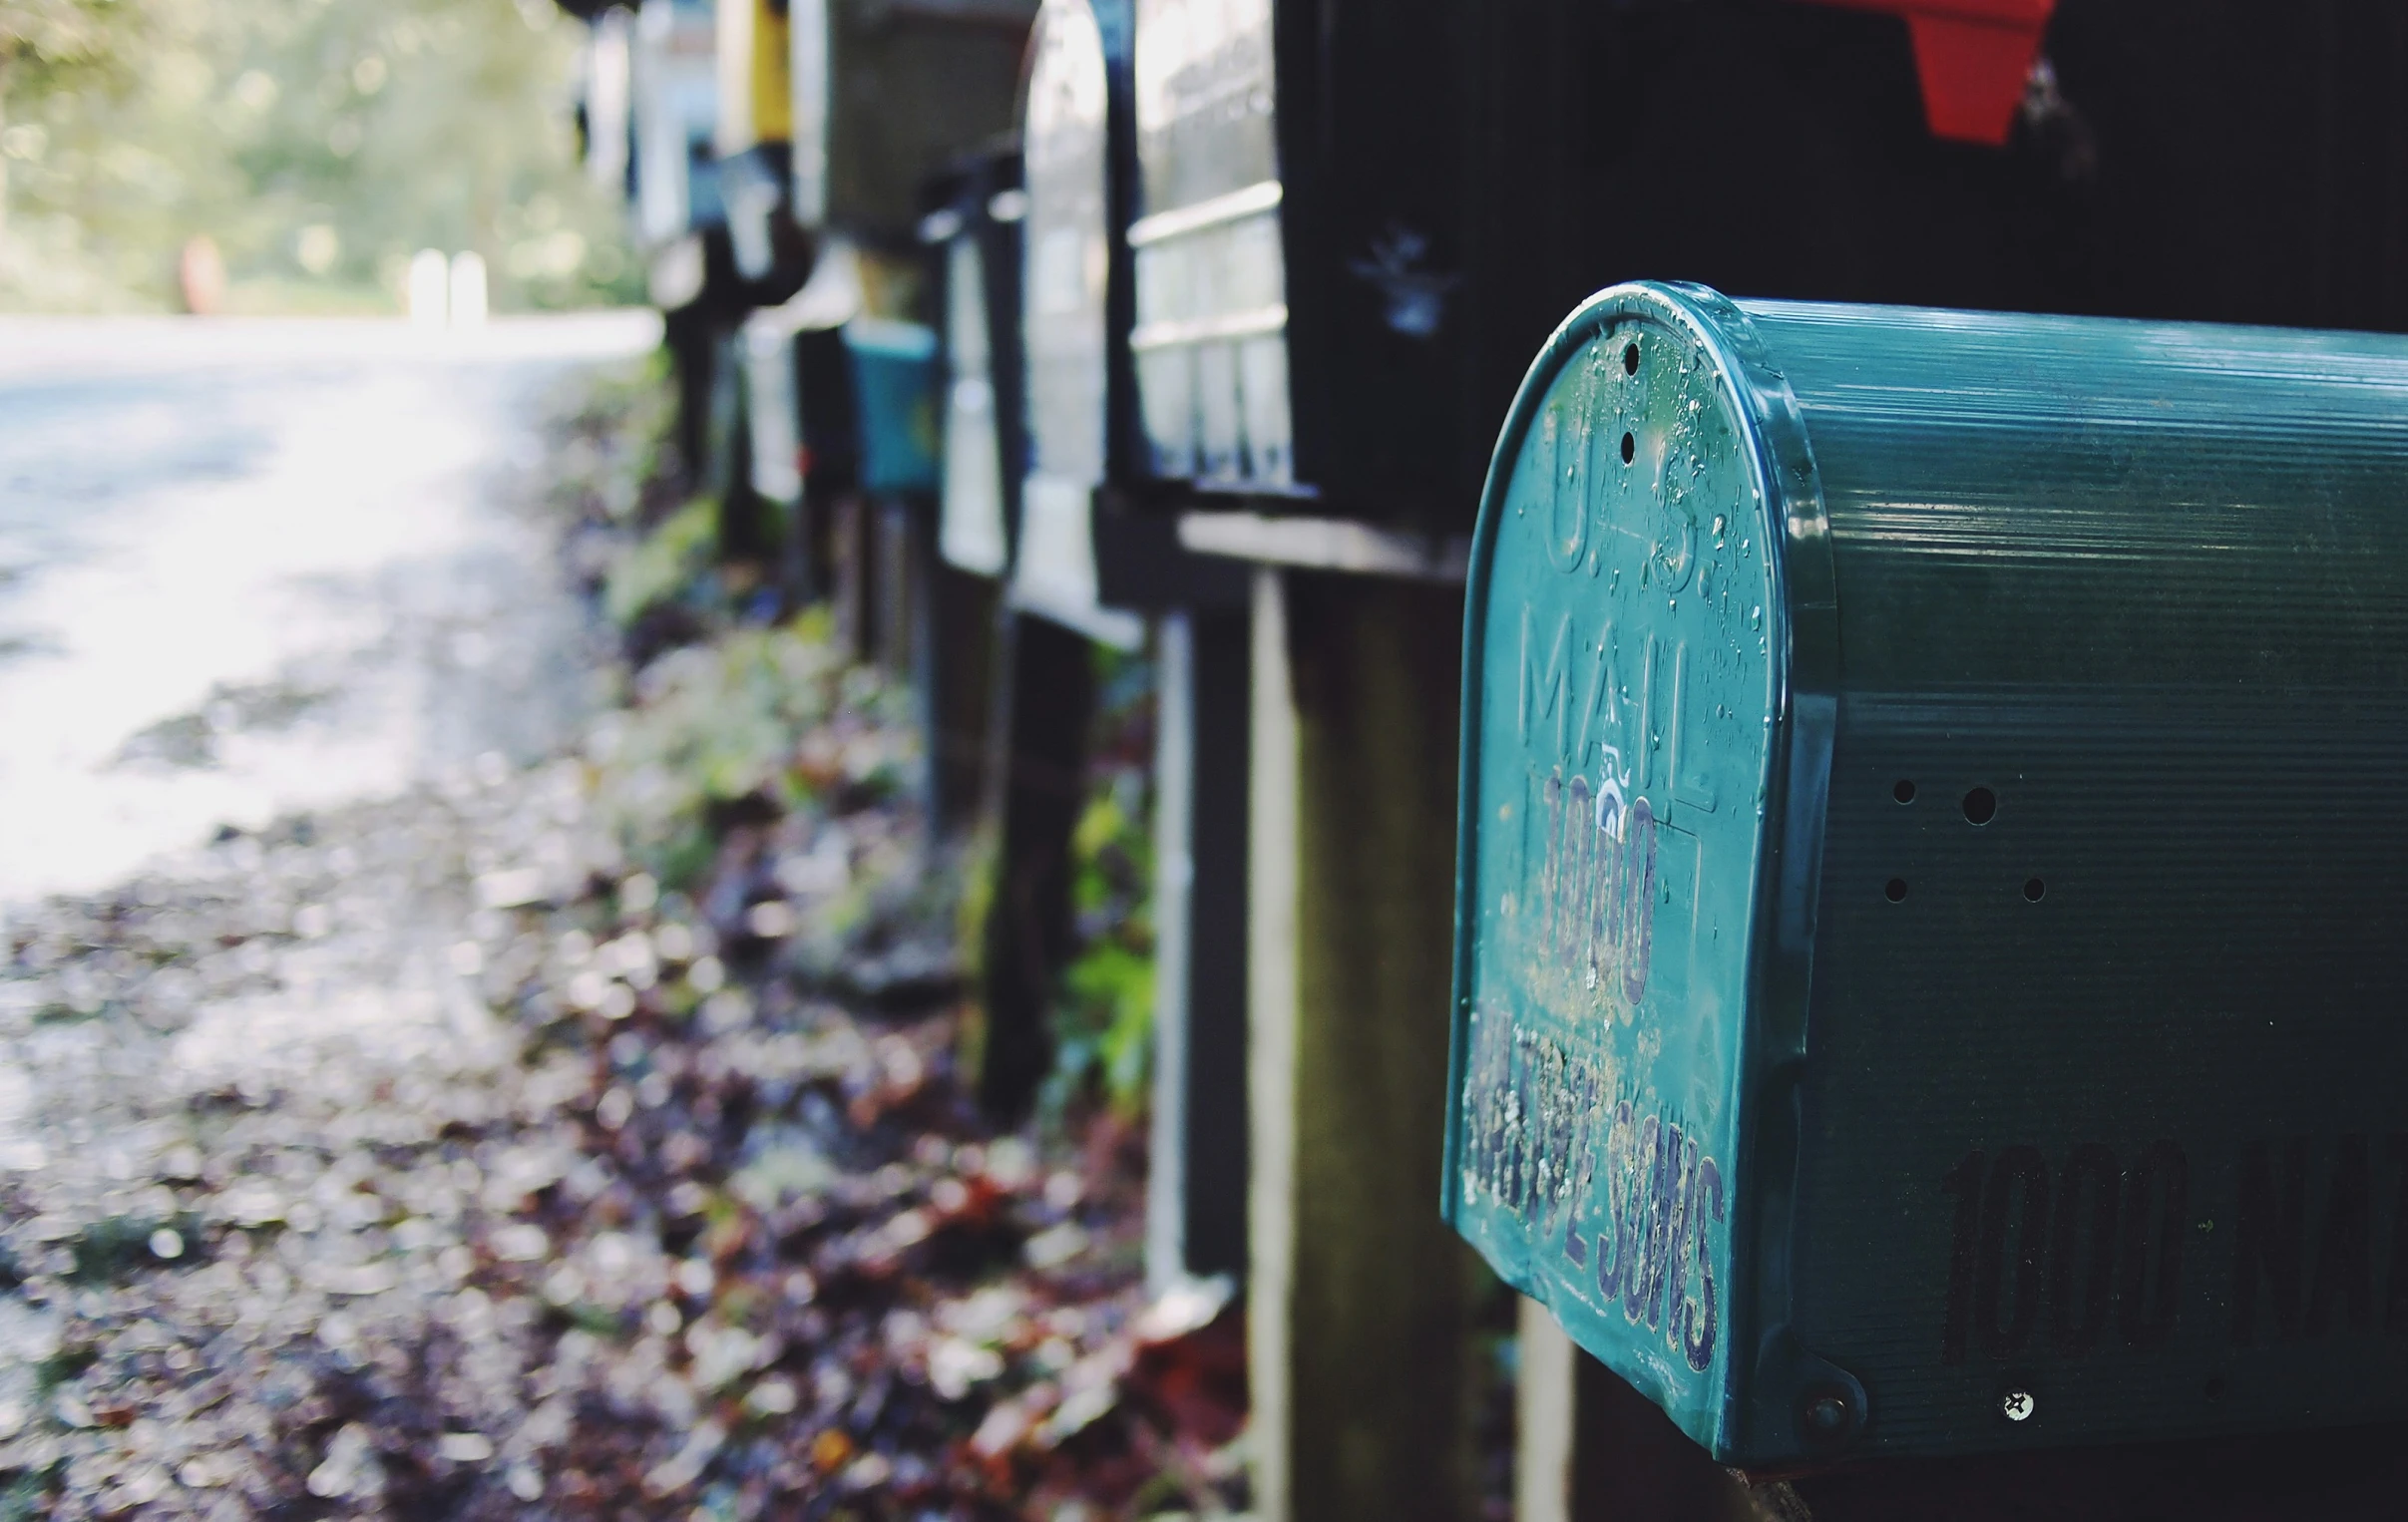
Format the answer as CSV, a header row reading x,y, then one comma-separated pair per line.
x,y
425,1158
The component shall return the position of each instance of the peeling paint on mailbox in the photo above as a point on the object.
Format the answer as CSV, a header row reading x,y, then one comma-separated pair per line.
x,y
1624,730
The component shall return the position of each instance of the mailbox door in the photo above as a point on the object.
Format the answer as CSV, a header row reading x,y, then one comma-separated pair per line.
x,y
1068,237
677,104
895,387
610,112
1624,681
1073,285
828,413
756,97
975,234
772,409
971,529
1211,333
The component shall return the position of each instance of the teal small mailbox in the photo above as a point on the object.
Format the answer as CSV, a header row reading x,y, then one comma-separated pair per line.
x,y
895,383
1930,915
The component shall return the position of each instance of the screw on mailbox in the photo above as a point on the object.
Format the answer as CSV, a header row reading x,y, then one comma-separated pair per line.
x,y
1826,1415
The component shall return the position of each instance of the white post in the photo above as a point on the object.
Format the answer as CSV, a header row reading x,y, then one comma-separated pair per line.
x,y
1542,1412
430,305
1174,882
1271,1031
468,289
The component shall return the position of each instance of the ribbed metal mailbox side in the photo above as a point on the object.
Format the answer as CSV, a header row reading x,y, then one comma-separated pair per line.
x,y
2021,957
2126,615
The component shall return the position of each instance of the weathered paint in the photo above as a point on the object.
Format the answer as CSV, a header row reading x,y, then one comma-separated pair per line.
x,y
1623,716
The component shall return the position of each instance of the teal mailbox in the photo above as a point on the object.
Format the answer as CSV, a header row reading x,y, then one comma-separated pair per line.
x,y
895,389
1931,922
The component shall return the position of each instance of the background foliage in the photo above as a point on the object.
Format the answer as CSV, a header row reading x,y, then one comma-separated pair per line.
x,y
318,142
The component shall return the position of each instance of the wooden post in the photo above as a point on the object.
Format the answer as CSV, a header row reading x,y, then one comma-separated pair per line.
x,y
1045,700
1602,1453
689,333
1196,1188
849,562
1362,1303
802,559
895,576
720,470
958,633
746,522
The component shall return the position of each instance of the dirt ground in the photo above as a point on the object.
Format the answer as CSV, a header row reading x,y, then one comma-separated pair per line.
x,y
427,1157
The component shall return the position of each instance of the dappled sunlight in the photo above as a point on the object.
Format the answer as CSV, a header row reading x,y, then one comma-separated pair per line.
x,y
287,584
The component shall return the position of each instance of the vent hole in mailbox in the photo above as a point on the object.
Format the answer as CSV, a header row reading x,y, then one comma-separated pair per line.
x,y
1630,449
1981,806
1629,359
1895,890
2035,890
1903,790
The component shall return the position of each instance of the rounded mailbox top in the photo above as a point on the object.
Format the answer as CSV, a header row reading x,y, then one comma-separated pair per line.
x,y
1629,641
1066,138
1074,305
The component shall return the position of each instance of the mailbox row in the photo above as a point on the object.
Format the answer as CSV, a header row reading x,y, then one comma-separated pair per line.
x,y
1920,889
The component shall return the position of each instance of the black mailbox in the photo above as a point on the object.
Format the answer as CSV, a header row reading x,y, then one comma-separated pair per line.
x,y
887,93
1298,260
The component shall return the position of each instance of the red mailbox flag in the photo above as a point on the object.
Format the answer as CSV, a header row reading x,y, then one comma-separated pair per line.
x,y
1974,57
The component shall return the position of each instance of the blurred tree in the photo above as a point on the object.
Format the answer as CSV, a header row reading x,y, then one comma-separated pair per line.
x,y
53,29
318,142
36,38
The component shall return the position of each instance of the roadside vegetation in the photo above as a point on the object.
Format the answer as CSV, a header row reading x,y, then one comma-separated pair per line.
x,y
310,146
